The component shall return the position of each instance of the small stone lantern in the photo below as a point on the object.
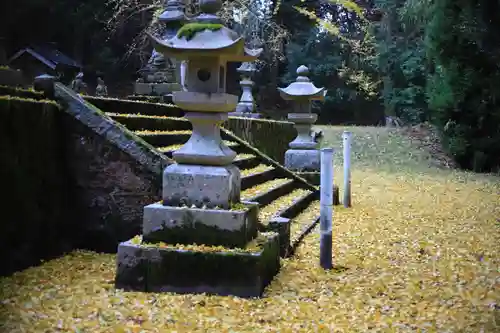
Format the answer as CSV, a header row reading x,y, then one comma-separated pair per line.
x,y
172,19
201,192
161,76
246,107
303,154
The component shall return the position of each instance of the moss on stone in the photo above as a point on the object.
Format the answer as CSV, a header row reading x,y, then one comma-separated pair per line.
x,y
191,29
254,246
238,206
195,268
21,92
30,100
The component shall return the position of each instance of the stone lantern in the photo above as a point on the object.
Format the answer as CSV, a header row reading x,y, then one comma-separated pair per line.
x,y
161,75
246,107
201,192
303,155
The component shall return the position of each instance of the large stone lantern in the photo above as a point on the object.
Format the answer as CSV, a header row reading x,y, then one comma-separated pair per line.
x,y
201,192
303,155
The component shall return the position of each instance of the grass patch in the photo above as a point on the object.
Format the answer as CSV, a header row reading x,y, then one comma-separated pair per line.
x,y
376,148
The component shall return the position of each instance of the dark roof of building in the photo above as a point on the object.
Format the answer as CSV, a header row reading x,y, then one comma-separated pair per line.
x,y
47,55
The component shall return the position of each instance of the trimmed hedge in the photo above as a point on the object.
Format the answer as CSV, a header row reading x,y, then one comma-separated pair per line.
x,y
20,92
34,220
271,137
115,105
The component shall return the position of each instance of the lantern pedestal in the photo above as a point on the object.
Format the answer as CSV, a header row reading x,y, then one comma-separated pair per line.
x,y
304,154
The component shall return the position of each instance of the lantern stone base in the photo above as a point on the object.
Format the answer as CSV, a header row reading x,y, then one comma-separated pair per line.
x,y
156,89
200,185
243,273
183,225
303,159
253,115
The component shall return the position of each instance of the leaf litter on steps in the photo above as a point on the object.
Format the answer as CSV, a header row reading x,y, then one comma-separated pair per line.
x,y
415,253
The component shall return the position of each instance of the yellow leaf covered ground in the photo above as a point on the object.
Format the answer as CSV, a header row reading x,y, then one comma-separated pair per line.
x,y
416,252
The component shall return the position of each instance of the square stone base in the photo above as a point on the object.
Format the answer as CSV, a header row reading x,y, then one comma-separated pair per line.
x,y
183,225
303,159
163,269
201,185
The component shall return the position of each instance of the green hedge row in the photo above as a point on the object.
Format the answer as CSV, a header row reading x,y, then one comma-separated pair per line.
x,y
271,137
34,224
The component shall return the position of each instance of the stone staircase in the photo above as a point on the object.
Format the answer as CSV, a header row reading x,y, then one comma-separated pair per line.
x,y
283,196
288,203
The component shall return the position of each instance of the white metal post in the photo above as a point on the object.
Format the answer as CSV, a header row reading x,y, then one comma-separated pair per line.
x,y
326,208
346,140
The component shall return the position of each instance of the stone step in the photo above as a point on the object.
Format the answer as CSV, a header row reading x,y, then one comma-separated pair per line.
x,y
279,214
164,138
299,204
283,204
136,122
303,224
145,106
257,175
246,161
265,193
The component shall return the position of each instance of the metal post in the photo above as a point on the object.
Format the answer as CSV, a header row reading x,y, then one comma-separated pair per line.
x,y
326,209
346,139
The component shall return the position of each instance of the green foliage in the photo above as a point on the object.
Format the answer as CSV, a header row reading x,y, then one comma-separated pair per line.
x,y
335,65
463,45
189,30
401,58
